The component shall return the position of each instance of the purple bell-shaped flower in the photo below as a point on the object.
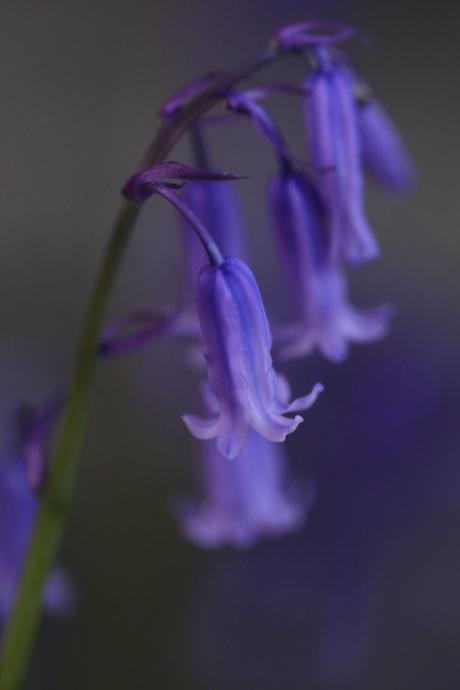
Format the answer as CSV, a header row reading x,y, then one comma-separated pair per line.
x,y
335,154
327,320
237,344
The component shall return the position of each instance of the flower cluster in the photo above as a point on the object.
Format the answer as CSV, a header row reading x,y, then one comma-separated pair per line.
x,y
320,227
315,201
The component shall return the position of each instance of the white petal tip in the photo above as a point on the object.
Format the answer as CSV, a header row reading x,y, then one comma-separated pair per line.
x,y
203,429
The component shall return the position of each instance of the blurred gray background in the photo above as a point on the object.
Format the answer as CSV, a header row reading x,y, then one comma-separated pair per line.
x,y
367,596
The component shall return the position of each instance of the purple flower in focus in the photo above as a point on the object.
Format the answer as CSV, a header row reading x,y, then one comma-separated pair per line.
x,y
246,498
18,508
237,344
327,320
331,112
383,151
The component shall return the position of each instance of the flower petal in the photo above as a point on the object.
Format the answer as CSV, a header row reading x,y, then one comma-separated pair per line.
x,y
203,429
363,326
306,401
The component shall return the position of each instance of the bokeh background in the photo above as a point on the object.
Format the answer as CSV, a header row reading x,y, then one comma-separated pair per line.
x,y
367,596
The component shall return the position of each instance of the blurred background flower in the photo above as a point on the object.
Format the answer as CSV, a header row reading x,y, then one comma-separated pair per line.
x,y
18,506
367,595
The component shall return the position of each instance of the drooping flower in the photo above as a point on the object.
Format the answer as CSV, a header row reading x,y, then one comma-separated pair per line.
x,y
326,319
331,114
383,151
18,509
237,344
246,498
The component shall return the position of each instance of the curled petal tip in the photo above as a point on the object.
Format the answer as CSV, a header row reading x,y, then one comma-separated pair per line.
x,y
318,388
202,429
307,401
297,420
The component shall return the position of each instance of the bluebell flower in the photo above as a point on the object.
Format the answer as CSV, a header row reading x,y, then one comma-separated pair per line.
x,y
383,151
18,508
237,344
244,499
326,319
331,113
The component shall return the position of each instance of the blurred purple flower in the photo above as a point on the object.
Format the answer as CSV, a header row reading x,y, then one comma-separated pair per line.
x,y
237,344
383,151
246,498
334,149
18,508
327,320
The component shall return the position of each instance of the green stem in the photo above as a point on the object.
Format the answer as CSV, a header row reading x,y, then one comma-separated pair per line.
x,y
56,498
57,495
